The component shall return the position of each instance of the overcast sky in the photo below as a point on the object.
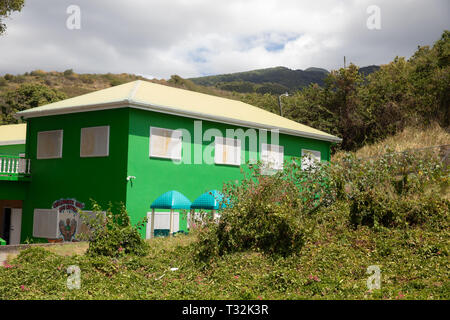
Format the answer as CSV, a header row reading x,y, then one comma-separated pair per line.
x,y
158,38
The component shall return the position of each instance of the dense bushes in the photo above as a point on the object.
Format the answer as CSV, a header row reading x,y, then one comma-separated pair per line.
x,y
28,95
268,213
112,234
393,190
376,208
275,214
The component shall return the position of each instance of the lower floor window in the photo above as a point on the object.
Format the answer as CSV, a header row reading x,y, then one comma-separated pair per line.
x,y
310,158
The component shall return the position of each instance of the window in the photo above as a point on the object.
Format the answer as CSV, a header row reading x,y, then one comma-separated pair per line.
x,y
45,223
165,143
309,158
94,142
49,144
227,151
272,156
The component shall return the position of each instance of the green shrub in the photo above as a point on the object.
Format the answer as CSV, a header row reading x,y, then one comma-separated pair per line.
x,y
87,78
393,190
68,72
268,213
113,234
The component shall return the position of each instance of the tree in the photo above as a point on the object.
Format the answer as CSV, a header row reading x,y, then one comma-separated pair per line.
x,y
6,8
29,95
342,98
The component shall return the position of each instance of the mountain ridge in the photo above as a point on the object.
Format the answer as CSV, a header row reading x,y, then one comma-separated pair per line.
x,y
275,80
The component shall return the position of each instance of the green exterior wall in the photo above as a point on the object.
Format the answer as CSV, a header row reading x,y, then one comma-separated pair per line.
x,y
12,149
102,178
13,190
155,176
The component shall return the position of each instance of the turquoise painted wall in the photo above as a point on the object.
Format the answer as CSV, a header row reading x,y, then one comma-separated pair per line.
x,y
155,176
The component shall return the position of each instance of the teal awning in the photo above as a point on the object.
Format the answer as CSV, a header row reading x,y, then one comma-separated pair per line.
x,y
171,200
211,200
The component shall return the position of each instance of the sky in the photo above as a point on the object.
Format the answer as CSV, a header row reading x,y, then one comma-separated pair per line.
x,y
190,38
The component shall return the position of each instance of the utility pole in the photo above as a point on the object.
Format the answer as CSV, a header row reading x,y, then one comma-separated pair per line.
x,y
279,101
344,62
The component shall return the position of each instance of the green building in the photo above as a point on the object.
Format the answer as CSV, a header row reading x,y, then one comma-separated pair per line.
x,y
131,143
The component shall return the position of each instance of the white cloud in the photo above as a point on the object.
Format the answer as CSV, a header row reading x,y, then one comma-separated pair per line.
x,y
195,37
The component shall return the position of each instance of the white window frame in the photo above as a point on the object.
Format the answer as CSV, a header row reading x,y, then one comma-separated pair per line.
x,y
265,153
218,159
59,156
316,154
107,143
176,134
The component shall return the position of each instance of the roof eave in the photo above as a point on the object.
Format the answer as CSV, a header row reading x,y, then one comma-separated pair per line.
x,y
170,110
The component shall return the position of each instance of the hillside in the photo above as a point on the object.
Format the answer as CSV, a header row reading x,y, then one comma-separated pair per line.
x,y
361,110
38,87
271,80
410,138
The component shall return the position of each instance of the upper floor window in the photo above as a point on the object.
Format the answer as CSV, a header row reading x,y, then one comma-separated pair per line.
x,y
49,144
227,151
272,156
165,143
310,158
94,142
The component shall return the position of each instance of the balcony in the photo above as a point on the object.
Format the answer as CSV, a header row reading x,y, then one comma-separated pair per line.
x,y
14,168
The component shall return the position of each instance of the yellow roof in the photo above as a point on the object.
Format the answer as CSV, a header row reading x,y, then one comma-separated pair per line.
x,y
13,134
160,98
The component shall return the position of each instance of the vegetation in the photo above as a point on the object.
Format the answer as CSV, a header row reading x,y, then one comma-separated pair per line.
x,y
112,234
362,109
6,8
28,95
271,80
339,240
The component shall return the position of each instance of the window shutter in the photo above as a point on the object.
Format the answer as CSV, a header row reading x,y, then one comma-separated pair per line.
x,y
45,223
227,151
94,142
49,144
272,156
165,143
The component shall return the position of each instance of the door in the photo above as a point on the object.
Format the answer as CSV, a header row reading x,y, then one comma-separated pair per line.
x,y
16,226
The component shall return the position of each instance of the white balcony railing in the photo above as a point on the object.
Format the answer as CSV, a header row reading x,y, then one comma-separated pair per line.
x,y
14,166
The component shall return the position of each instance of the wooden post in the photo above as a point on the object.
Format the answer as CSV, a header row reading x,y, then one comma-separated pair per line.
x,y
171,222
152,224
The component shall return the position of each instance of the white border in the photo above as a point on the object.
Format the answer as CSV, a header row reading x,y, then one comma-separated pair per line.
x,y
12,142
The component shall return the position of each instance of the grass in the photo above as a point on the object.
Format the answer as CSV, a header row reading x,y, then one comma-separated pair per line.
x,y
332,265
